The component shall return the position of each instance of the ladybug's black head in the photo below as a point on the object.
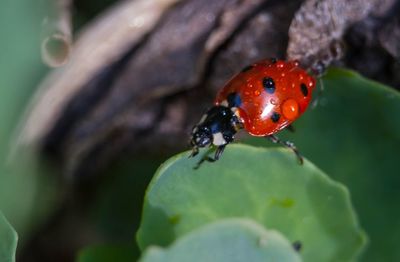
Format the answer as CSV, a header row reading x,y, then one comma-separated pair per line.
x,y
201,136
217,127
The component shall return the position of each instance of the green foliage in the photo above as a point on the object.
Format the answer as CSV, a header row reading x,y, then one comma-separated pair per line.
x,y
227,240
107,253
8,240
267,186
26,189
20,65
119,198
354,136
28,193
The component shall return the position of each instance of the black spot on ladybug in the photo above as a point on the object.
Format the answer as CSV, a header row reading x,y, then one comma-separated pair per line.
x,y
304,89
247,68
275,117
234,100
268,84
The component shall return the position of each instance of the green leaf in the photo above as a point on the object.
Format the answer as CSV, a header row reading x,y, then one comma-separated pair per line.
x,y
8,240
266,185
226,240
108,253
20,64
119,198
25,192
29,192
354,136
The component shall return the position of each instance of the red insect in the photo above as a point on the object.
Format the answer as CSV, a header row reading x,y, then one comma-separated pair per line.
x,y
263,98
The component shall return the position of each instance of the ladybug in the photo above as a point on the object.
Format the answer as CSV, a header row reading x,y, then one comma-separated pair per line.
x,y
263,99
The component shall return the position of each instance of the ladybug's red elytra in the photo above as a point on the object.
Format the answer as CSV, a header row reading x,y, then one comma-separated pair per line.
x,y
263,99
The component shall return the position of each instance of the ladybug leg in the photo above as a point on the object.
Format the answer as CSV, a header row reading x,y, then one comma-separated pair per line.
x,y
195,151
217,155
218,152
291,128
319,94
290,145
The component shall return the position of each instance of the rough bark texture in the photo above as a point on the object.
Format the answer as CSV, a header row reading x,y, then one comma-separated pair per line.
x,y
318,27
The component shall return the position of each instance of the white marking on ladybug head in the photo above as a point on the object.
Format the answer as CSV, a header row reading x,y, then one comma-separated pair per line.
x,y
224,103
197,140
218,139
235,111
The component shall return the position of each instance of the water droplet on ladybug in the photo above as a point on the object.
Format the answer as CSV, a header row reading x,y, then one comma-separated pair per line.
x,y
257,92
290,109
273,101
280,64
